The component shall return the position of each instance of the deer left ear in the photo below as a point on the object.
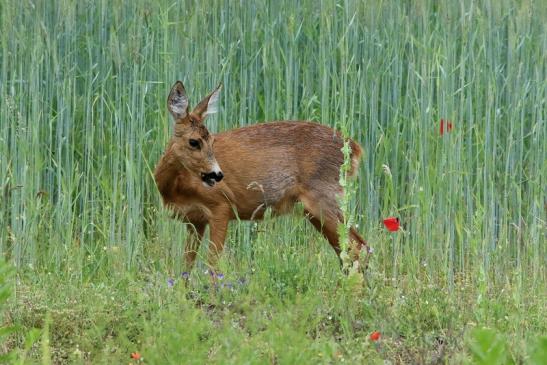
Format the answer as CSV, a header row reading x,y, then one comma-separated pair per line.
x,y
209,104
177,102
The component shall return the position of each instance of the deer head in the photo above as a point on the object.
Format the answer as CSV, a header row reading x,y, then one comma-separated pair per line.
x,y
191,142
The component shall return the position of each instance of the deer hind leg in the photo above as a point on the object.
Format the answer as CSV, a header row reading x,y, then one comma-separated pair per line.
x,y
325,215
328,231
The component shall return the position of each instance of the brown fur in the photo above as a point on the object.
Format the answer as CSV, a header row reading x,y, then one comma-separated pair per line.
x,y
270,165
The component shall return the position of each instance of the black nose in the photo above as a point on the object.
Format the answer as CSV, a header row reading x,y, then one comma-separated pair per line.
x,y
211,177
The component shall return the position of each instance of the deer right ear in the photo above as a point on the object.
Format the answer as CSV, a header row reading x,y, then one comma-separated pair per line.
x,y
177,102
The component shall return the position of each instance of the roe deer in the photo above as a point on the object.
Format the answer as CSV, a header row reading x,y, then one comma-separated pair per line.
x,y
270,165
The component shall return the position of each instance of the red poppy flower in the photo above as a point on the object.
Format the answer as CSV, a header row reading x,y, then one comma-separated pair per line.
x,y
375,336
392,224
448,126
135,356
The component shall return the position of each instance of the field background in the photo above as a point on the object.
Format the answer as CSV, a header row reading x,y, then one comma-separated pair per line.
x,y
83,122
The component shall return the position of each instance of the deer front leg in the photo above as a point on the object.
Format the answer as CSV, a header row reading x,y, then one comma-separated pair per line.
x,y
219,227
193,241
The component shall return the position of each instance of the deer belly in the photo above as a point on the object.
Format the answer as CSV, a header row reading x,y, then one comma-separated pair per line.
x,y
277,195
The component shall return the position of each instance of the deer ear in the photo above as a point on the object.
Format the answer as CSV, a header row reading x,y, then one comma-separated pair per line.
x,y
177,102
209,104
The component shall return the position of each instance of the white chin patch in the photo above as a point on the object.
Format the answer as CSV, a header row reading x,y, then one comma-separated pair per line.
x,y
207,185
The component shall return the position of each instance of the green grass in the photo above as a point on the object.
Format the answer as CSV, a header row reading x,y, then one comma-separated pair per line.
x,y
83,121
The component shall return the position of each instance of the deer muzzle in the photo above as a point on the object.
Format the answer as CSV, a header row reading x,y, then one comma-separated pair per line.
x,y
212,177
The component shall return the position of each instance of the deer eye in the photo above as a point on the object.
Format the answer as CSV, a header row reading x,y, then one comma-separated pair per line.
x,y
194,143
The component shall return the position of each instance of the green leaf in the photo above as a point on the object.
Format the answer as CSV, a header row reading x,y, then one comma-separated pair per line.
x,y
539,352
488,347
6,331
32,336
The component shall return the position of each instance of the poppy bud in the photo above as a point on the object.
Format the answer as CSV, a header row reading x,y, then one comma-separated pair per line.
x,y
375,336
448,126
392,224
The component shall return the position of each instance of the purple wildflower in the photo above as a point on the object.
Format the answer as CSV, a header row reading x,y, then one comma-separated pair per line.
x,y
219,275
170,282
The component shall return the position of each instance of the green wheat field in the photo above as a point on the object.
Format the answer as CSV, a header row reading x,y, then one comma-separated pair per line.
x,y
91,261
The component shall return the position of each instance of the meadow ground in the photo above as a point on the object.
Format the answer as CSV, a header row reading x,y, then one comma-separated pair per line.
x,y
93,263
